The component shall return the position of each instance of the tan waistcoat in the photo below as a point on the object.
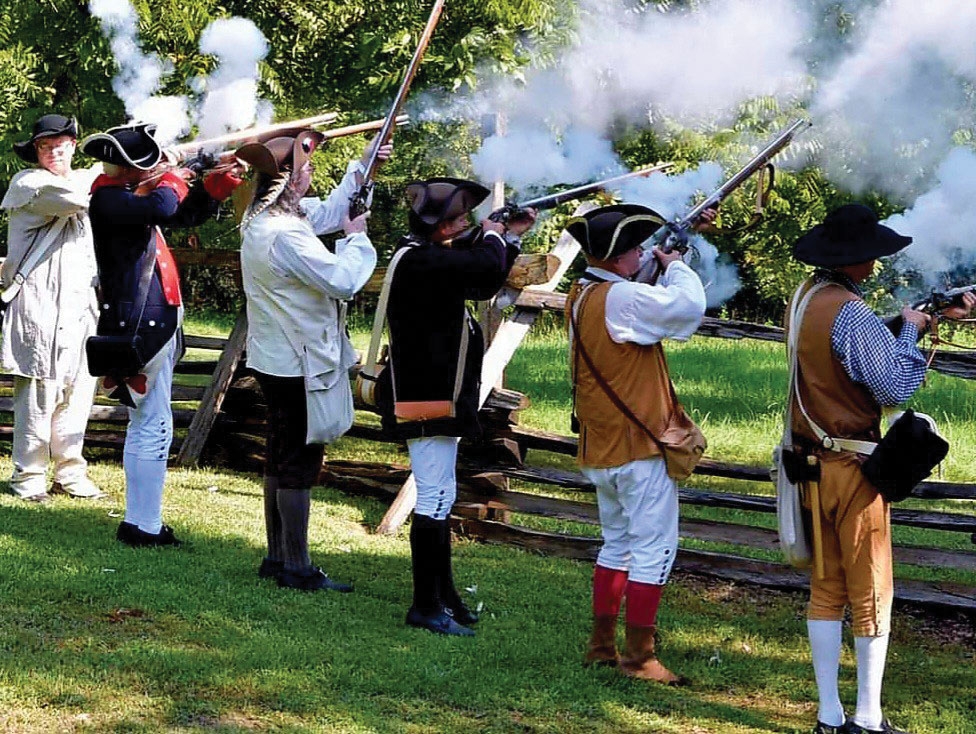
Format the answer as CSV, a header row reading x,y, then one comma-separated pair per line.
x,y
841,407
637,374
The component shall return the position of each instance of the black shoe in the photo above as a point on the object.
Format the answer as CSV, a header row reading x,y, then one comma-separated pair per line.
x,y
439,622
461,614
823,728
131,535
886,728
271,569
312,580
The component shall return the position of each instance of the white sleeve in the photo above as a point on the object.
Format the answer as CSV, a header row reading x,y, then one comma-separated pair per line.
x,y
326,214
339,275
647,314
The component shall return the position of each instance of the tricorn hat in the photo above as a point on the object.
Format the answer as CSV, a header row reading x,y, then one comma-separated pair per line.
x,y
290,151
438,199
46,126
129,146
609,231
849,235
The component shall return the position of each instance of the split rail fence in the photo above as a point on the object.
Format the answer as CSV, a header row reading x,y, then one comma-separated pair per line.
x,y
220,418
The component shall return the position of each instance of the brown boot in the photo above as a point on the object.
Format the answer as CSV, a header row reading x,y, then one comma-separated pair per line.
x,y
602,649
639,660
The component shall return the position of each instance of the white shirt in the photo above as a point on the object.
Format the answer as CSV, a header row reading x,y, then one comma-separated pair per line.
x,y
647,314
295,286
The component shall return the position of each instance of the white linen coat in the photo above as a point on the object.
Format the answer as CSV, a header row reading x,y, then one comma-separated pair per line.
x,y
46,324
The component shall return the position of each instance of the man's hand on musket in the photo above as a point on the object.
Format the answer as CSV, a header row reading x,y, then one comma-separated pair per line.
x,y
523,221
666,258
921,320
706,222
354,226
382,156
963,311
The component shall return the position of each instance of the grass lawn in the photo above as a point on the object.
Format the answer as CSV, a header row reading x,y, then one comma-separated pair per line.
x,y
95,636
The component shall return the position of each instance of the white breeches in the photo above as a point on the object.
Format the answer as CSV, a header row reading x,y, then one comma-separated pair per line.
x,y
50,417
433,461
638,505
147,442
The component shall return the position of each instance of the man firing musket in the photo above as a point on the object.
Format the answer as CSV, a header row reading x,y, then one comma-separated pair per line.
x,y
359,202
674,235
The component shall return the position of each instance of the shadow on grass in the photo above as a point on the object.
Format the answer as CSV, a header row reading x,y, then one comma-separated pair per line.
x,y
151,639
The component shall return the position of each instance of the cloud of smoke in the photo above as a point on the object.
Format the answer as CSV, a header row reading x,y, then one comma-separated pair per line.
x,y
231,101
888,109
140,74
942,223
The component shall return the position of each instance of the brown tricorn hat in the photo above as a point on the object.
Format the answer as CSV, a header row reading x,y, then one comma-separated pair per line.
x,y
285,152
439,199
612,230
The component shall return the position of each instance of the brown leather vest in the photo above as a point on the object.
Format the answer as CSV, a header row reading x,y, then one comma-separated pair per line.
x,y
840,406
638,374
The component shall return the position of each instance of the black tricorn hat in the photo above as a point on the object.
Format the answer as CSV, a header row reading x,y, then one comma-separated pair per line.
x,y
439,199
849,235
612,230
129,146
290,149
46,126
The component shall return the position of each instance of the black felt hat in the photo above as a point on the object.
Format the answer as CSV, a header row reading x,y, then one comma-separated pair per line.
x,y
612,230
129,146
46,126
439,199
850,235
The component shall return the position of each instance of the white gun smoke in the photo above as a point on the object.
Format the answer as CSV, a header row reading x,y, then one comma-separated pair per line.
x,y
942,223
231,101
140,74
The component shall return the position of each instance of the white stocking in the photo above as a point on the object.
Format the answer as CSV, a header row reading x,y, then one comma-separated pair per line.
x,y
825,642
871,655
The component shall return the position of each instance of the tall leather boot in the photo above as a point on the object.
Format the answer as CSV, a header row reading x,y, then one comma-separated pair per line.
x,y
450,598
640,661
602,648
427,610
273,563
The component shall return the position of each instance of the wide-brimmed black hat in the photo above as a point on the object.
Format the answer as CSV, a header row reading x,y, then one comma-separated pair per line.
x,y
438,199
609,231
129,146
46,126
849,235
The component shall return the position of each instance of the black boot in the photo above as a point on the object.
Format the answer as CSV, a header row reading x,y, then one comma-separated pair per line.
x,y
299,573
445,579
272,565
427,610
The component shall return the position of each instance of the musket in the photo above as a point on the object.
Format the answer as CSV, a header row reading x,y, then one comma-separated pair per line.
x,y
358,202
242,136
674,235
512,210
941,300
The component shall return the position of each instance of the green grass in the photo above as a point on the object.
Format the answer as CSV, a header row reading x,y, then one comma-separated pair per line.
x,y
97,637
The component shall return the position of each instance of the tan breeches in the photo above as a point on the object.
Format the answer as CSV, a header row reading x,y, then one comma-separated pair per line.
x,y
856,546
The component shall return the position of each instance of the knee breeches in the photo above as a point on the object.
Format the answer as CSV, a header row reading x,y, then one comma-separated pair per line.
x,y
433,460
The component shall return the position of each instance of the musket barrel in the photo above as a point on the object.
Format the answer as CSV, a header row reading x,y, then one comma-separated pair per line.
x,y
386,131
182,149
579,192
363,127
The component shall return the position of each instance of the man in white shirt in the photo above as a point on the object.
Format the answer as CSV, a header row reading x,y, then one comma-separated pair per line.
x,y
51,260
296,292
616,328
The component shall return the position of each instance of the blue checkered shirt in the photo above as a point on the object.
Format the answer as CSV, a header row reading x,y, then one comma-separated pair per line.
x,y
891,368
